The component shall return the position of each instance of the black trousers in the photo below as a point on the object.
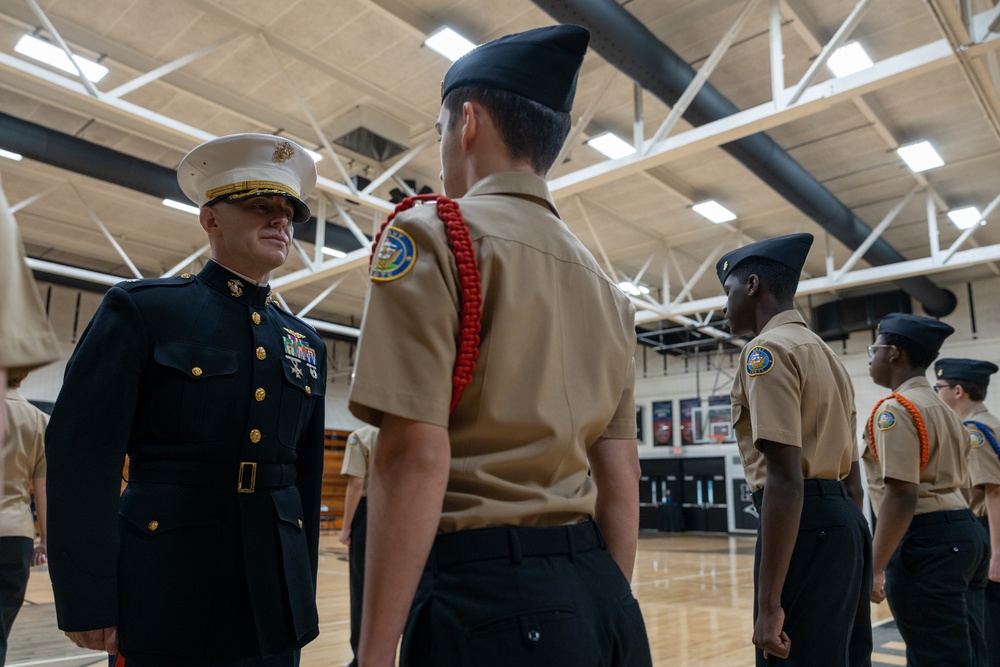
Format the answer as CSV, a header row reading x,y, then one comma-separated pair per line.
x,y
287,659
991,609
829,582
936,584
551,597
356,556
15,566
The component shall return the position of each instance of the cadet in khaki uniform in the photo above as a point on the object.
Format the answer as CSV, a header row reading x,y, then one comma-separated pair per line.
x,y
528,558
794,416
357,461
930,556
961,384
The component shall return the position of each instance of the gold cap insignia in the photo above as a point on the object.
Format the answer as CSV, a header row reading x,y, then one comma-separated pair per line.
x,y
235,287
283,152
940,372
725,265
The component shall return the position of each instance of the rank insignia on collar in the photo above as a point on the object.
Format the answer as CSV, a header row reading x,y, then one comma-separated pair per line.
x,y
235,287
395,256
759,361
269,299
886,420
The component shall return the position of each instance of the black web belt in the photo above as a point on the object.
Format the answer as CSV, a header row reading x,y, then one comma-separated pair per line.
x,y
245,476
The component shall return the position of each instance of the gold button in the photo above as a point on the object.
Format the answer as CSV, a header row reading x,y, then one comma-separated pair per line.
x,y
153,525
308,390
260,394
300,523
255,436
196,372
256,318
261,353
185,276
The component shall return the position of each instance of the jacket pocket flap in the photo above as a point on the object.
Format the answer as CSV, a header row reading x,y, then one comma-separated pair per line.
x,y
196,360
288,506
158,508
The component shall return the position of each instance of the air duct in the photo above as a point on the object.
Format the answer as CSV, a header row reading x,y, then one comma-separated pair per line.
x,y
628,45
83,157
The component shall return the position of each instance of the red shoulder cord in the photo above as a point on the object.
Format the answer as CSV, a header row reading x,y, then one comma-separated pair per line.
x,y
469,282
918,419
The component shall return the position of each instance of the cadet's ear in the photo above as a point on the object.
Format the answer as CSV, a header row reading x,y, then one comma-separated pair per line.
x,y
753,284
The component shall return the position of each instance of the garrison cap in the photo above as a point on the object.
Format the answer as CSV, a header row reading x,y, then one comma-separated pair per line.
x,y
238,166
790,250
970,370
924,331
540,64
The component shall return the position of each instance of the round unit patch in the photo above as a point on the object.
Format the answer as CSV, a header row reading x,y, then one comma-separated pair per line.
x,y
759,361
886,420
976,439
395,256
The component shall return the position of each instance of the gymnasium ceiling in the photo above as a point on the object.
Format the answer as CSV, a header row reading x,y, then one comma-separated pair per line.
x,y
186,70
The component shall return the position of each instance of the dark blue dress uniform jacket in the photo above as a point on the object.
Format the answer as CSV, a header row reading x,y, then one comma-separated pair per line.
x,y
212,549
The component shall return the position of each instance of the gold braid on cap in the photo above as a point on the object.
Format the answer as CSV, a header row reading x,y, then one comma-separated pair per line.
x,y
469,283
251,188
918,419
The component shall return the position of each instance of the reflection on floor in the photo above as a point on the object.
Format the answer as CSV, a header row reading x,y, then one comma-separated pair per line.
x,y
696,593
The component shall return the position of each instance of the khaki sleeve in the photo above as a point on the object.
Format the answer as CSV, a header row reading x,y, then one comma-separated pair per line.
x,y
355,463
984,462
407,347
773,385
39,431
897,442
622,425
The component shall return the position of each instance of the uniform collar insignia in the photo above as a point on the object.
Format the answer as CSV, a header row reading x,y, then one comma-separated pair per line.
x,y
236,287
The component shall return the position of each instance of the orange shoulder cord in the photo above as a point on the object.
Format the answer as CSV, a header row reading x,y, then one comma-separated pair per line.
x,y
469,282
918,419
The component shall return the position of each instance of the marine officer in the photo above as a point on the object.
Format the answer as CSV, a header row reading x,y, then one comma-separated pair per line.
x,y
216,394
930,557
481,474
794,417
962,384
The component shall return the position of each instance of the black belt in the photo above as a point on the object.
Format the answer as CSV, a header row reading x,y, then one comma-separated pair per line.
x,y
942,516
810,487
245,476
514,543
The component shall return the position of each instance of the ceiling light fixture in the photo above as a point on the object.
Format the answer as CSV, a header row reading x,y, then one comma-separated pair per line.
x,y
449,44
920,156
965,217
187,208
52,55
335,253
611,145
16,157
632,289
848,59
714,211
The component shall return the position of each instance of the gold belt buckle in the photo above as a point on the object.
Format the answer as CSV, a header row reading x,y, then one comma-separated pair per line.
x,y
253,477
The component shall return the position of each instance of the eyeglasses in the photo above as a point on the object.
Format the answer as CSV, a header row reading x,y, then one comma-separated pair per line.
x,y
872,348
939,387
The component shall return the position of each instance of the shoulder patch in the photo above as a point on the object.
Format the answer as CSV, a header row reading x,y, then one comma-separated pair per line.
x,y
394,257
976,438
759,361
886,420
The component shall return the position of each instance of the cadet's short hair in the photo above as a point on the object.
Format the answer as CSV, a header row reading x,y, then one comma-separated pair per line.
x,y
780,280
976,391
529,130
919,356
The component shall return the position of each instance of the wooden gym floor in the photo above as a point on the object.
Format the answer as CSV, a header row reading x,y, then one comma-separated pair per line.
x,y
696,593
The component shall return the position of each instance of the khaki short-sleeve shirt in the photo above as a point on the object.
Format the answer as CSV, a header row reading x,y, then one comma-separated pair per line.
x,y
984,461
26,339
898,446
24,459
792,389
556,364
358,454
